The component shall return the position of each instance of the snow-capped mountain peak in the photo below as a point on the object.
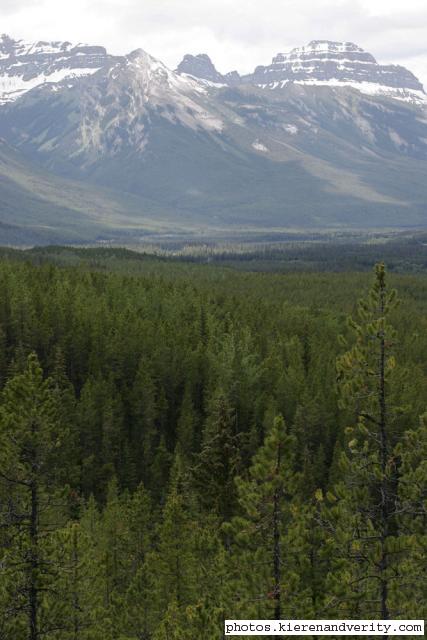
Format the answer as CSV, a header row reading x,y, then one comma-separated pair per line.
x,y
120,104
302,154
153,79
319,48
339,64
19,48
153,73
26,65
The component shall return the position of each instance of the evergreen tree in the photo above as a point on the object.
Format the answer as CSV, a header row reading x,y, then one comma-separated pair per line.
x,y
172,566
409,593
219,460
175,377
144,412
30,439
135,615
186,426
265,499
365,543
75,599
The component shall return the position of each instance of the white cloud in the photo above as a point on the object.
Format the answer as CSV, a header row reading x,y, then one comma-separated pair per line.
x,y
239,35
9,7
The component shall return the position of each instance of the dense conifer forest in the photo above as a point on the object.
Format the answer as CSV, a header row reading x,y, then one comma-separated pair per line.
x,y
185,443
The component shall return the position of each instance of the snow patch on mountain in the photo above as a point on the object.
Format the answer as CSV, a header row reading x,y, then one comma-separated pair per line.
x,y
12,87
160,86
335,64
368,88
291,128
204,83
397,139
26,65
119,108
258,146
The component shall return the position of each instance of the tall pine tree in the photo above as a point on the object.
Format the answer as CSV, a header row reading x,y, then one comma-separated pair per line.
x,y
30,438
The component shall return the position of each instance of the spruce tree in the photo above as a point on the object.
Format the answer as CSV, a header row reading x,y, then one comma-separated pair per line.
x,y
135,614
362,518
265,499
409,594
186,425
30,438
219,461
75,598
171,567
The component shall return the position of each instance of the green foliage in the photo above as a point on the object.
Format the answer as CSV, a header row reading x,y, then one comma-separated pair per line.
x,y
369,548
219,460
264,561
30,437
170,492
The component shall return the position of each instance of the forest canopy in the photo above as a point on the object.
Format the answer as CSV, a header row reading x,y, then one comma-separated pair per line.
x,y
184,443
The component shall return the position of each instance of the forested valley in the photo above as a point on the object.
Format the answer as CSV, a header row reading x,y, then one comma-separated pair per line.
x,y
182,444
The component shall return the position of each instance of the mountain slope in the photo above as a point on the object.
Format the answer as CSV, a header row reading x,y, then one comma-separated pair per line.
x,y
200,154
39,207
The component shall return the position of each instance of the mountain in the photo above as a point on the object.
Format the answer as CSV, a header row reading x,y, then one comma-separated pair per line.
x,y
201,67
320,63
25,65
84,125
166,150
338,64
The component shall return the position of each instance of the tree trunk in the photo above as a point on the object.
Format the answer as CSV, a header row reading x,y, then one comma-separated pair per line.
x,y
76,600
277,559
34,562
385,491
277,552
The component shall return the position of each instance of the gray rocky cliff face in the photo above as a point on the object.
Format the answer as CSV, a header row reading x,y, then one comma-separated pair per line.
x,y
323,136
321,62
202,67
328,62
24,65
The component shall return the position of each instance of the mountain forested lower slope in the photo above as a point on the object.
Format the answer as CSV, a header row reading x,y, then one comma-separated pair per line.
x,y
183,443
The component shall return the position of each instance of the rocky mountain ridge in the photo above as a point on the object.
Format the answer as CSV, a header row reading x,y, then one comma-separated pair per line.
x,y
339,64
24,65
201,67
320,63
214,151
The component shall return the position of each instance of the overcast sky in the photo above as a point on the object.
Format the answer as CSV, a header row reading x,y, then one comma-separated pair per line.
x,y
237,34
